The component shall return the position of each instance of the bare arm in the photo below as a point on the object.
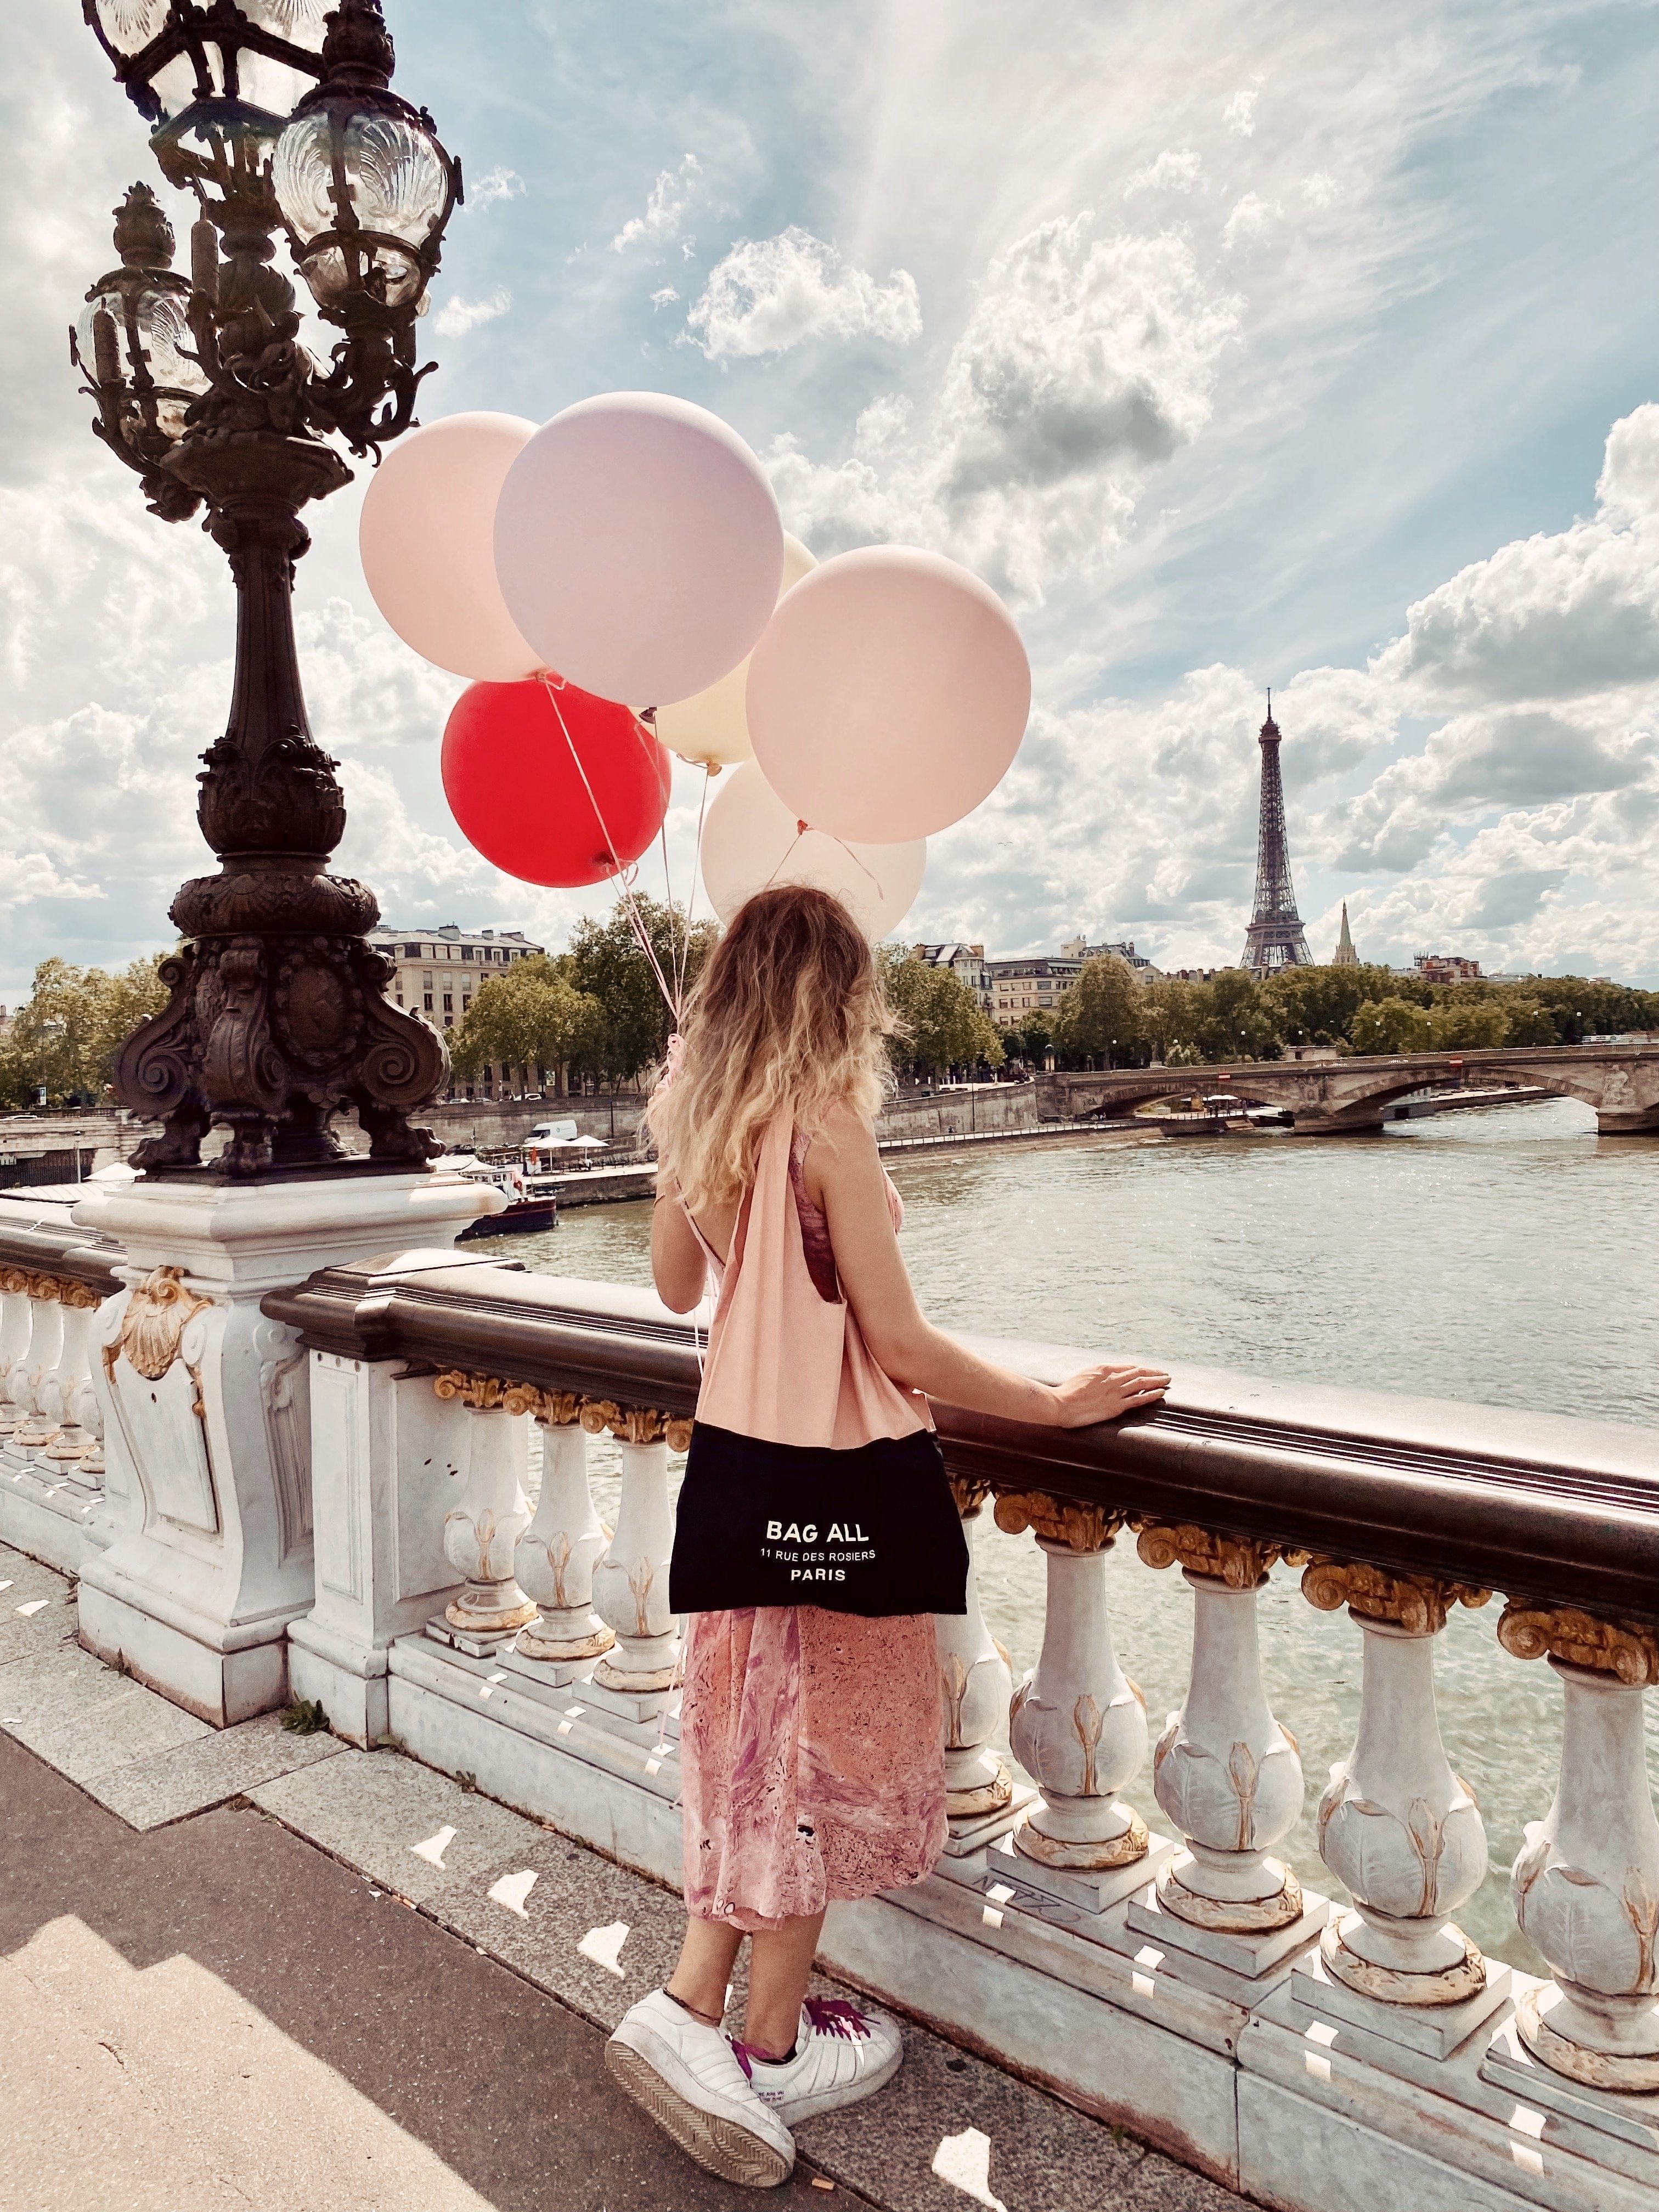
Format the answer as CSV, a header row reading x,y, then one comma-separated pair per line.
x,y
844,1176
678,1265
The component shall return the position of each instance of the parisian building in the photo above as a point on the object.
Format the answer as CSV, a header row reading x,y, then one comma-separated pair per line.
x,y
438,970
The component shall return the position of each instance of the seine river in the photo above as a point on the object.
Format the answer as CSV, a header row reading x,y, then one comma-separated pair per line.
x,y
1497,1256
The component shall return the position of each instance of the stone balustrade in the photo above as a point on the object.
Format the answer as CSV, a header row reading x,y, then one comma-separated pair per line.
x,y
1298,2025
553,1608
52,1474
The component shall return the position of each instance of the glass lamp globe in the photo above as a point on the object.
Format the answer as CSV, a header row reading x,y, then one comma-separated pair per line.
x,y
365,194
202,53
133,336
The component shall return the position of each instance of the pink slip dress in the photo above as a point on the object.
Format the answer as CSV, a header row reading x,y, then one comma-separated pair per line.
x,y
811,1742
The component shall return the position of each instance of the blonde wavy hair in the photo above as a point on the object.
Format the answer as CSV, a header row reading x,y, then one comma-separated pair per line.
x,y
787,1012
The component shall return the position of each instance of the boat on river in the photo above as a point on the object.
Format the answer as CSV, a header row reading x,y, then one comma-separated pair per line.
x,y
531,1200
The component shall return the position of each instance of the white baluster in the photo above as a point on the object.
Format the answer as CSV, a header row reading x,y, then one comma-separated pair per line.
x,y
40,1365
1077,1725
558,1550
975,1680
16,1321
71,1387
482,1531
1225,1770
1396,1824
1586,1882
630,1583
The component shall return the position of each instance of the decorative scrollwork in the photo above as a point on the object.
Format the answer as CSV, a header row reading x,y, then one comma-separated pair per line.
x,y
158,1311
597,1417
1241,1562
1417,1603
49,1290
1068,1521
483,1393
1606,1647
969,1492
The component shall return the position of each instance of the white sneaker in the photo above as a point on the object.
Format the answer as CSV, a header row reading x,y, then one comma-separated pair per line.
x,y
687,2077
842,2052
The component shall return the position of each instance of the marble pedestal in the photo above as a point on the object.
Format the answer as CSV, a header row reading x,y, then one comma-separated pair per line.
x,y
205,1405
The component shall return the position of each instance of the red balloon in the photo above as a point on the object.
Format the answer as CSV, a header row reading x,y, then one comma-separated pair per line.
x,y
519,799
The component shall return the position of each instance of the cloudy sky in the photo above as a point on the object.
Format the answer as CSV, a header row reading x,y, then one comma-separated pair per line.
x,y
1234,343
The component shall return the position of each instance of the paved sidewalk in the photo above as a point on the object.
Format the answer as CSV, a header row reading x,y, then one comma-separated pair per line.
x,y
246,1968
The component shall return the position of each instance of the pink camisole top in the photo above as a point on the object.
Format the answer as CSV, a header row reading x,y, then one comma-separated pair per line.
x,y
786,1360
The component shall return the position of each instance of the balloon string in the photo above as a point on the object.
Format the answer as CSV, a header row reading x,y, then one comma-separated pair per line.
x,y
802,830
554,685
679,935
696,870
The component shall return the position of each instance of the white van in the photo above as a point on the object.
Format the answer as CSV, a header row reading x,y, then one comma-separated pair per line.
x,y
547,1141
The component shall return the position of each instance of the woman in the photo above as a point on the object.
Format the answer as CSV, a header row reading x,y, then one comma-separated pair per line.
x,y
811,1739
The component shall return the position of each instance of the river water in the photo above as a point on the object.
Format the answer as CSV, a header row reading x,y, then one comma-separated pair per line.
x,y
1497,1256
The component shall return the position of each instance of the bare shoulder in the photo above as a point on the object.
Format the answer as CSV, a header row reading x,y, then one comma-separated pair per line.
x,y
843,1151
846,1133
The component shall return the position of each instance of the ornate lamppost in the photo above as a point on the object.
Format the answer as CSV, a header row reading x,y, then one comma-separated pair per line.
x,y
279,117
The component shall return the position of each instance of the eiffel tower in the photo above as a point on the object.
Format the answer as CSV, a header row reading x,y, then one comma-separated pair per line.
x,y
1275,938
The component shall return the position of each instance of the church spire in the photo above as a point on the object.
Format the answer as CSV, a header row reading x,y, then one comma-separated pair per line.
x,y
1345,956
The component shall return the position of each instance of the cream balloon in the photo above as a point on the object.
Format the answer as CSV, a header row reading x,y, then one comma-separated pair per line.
x,y
752,842
889,694
712,729
638,546
427,539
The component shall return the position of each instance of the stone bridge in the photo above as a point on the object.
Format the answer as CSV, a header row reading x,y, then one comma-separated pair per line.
x,y
1327,1097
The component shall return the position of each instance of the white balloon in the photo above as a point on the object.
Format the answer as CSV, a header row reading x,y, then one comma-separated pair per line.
x,y
427,538
638,546
751,843
712,727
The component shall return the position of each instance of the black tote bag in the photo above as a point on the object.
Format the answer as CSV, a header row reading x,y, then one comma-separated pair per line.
x,y
873,1530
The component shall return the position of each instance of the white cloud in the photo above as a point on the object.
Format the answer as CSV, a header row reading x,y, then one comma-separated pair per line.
x,y
1084,362
1176,169
29,876
665,208
1250,217
1552,616
458,316
665,297
495,184
770,293
1239,114
1523,831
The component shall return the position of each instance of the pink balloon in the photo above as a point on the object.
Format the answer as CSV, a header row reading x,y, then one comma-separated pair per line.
x,y
427,538
638,547
889,694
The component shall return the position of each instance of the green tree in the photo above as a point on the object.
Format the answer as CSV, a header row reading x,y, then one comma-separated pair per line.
x,y
1474,1025
944,1024
533,1017
1530,1023
66,1036
1029,1038
1316,1006
1389,1025
1238,1019
606,963
1171,1016
1101,1016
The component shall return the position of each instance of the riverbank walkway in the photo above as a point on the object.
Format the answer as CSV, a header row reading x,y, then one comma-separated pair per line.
x,y
253,1969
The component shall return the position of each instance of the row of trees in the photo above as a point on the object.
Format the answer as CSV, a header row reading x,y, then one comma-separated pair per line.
x,y
59,1048
1112,1016
597,1011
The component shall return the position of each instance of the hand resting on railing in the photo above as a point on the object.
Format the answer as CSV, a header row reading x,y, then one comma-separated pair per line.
x,y
844,1178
